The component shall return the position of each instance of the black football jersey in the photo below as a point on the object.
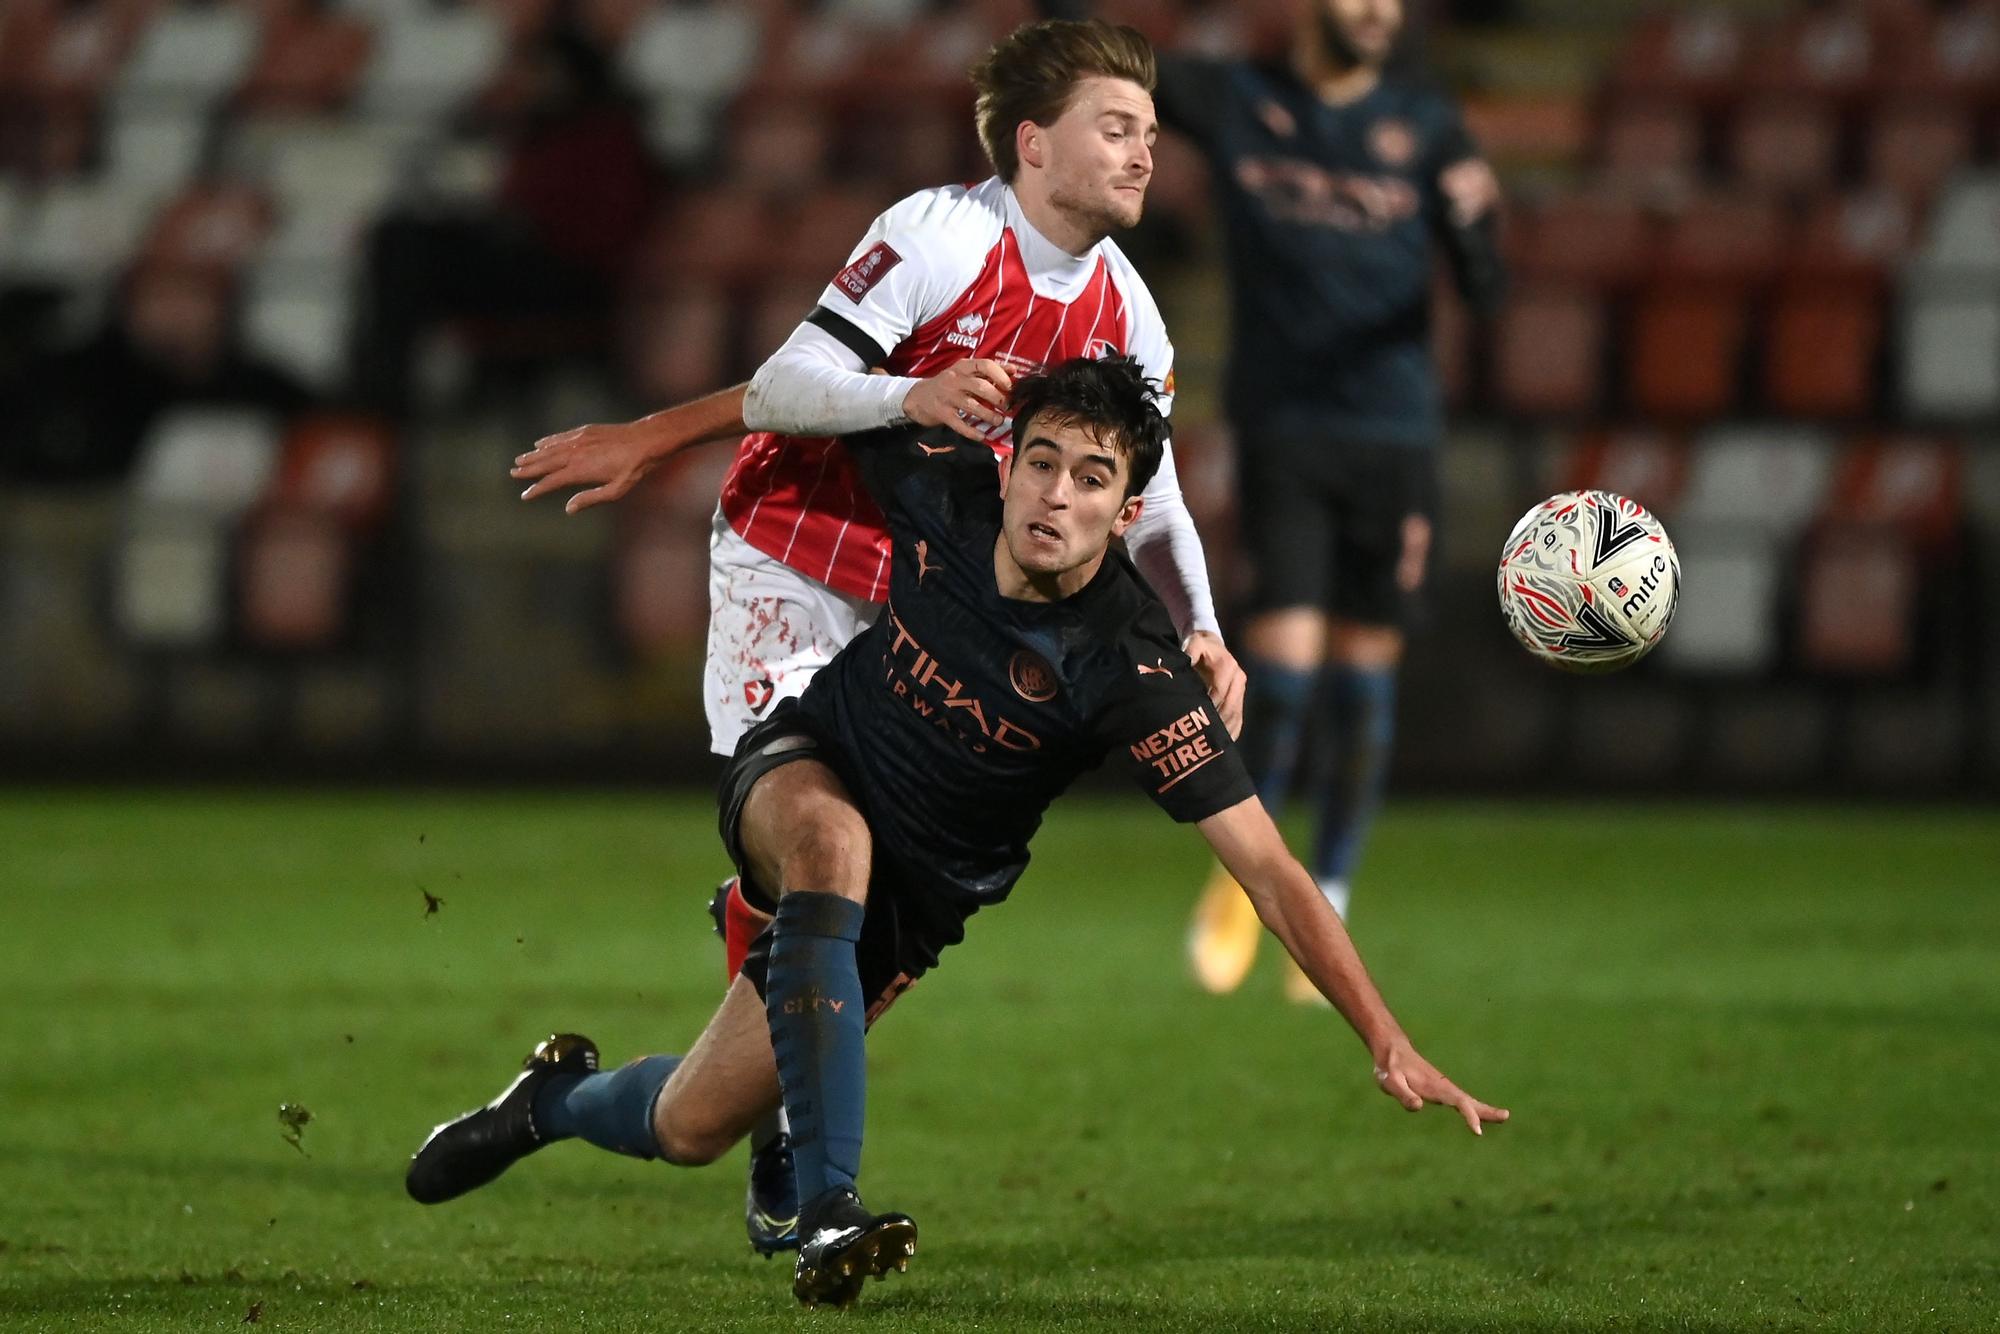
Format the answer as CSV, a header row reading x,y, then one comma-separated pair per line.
x,y
1330,214
961,714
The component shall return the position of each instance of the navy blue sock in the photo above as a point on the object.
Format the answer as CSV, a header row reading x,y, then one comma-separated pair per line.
x,y
813,1000
612,1109
1362,708
1275,712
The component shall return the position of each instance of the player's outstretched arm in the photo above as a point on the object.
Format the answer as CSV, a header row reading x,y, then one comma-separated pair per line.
x,y
610,459
1288,902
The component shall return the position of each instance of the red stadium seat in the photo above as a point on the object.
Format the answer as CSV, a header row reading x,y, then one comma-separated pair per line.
x,y
1825,52
214,226
308,60
1548,349
678,346
823,233
295,568
1601,240
1857,602
776,312
718,235
1865,234
660,584
1821,347
1912,484
1913,146
1785,145
1650,466
1686,347
339,465
1736,239
1956,57
1693,56
779,147
1651,144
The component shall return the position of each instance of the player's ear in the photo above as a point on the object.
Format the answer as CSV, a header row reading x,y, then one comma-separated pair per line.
x,y
1006,471
1030,144
1128,515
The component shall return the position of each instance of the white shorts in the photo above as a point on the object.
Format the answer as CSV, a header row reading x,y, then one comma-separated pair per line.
x,y
769,629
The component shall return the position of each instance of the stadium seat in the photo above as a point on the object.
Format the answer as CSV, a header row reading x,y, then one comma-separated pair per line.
x,y
1862,235
1765,483
779,147
1957,57
168,584
1649,466
338,464
1730,238
1914,146
82,232
160,149
212,462
294,569
65,54
1727,619
1950,349
1820,349
777,311
210,226
1599,239
823,232
1686,351
429,63
1826,51
1651,145
1911,484
300,320
190,56
1857,602
309,59
718,235
660,584
1963,233
1693,55
1784,145
679,346
702,53
1548,351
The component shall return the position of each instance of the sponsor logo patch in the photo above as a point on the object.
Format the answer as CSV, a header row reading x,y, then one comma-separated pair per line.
x,y
966,332
757,694
860,277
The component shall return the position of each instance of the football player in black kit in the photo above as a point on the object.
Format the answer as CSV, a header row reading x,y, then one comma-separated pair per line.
x,y
896,797
1335,176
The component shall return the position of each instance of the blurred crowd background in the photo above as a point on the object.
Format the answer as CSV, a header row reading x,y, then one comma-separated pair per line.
x,y
285,285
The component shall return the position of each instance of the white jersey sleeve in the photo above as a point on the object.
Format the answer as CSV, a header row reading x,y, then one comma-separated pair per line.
x,y
1163,541
913,262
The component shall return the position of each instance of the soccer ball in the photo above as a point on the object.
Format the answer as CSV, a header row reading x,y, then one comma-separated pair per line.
x,y
1588,581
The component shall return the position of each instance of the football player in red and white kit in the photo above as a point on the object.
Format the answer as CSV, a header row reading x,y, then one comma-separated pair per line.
x,y
952,293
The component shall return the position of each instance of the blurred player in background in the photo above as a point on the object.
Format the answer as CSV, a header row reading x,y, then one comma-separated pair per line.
x,y
1334,175
872,816
952,293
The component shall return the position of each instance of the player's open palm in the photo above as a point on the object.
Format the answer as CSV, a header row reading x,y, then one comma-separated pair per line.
x,y
966,396
608,459
1413,1081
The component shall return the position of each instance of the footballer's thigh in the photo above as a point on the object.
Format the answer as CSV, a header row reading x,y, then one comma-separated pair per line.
x,y
800,830
725,1084
769,629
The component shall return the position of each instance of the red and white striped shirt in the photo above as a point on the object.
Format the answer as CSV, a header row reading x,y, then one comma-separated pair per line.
x,y
946,274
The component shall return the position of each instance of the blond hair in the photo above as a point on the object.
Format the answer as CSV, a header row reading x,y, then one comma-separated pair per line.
x,y
1032,73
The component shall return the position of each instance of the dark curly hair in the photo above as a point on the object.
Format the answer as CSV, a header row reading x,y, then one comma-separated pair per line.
x,y
1110,397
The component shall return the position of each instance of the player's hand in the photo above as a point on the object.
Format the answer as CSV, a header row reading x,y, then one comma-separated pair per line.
x,y
1219,671
1471,188
609,459
964,396
1411,1080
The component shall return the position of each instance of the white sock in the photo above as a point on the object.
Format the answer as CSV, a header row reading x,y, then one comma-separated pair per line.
x,y
1336,894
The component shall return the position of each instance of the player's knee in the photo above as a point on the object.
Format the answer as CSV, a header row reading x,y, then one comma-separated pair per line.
x,y
829,852
690,1140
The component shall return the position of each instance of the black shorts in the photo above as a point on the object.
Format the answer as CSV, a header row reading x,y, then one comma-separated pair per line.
x,y
1322,521
902,930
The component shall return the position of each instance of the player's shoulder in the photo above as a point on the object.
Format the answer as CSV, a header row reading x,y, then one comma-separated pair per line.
x,y
1421,95
1148,328
946,220
1131,623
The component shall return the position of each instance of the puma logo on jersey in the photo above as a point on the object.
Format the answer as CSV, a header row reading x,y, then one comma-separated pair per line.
x,y
924,567
932,451
1159,668
966,332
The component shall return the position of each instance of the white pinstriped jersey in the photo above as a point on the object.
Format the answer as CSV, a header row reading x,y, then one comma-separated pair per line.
x,y
946,274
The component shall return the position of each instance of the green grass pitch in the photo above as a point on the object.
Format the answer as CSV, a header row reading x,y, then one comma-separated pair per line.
x,y
1753,1056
